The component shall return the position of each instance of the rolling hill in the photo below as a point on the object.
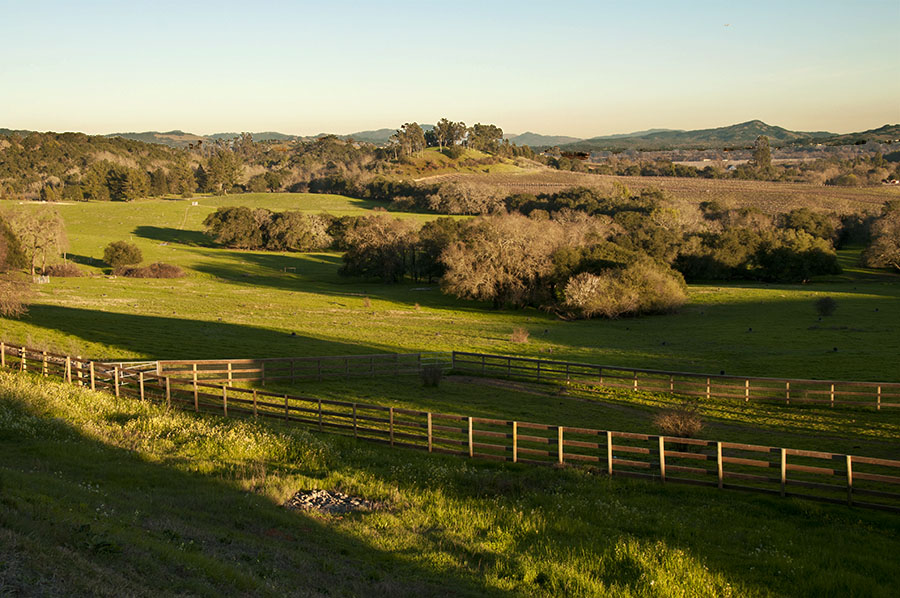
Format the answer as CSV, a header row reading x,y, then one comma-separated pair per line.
x,y
739,135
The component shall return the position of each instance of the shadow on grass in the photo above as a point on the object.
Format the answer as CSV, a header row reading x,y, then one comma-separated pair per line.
x,y
174,338
113,523
318,273
192,238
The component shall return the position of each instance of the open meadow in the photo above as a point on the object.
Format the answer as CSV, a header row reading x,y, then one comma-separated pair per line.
x,y
771,198
236,303
106,496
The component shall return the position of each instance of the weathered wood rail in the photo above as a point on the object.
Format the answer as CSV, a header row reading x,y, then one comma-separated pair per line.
x,y
294,369
747,388
817,475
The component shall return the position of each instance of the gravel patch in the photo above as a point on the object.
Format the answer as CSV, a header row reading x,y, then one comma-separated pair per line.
x,y
327,501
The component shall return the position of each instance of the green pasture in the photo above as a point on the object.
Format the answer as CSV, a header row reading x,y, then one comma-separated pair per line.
x,y
109,497
259,304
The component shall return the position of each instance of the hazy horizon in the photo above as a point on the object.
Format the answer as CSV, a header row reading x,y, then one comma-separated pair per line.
x,y
580,69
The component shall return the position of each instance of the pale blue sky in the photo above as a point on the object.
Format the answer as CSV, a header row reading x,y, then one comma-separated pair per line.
x,y
570,68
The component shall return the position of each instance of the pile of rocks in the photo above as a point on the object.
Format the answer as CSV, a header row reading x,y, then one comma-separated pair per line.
x,y
327,501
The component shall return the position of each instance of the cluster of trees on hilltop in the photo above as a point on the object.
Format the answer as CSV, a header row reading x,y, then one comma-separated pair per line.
x,y
76,167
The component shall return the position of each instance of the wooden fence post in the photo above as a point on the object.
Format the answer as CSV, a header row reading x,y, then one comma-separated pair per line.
x,y
672,384
43,363
80,370
635,381
2,354
355,432
747,390
787,393
783,470
116,379
287,415
196,391
471,439
391,426
141,383
168,392
878,408
721,470
263,373
68,369
23,366
231,375
609,452
832,395
93,377
255,408
850,480
662,458
225,401
430,433
515,442
560,444
707,388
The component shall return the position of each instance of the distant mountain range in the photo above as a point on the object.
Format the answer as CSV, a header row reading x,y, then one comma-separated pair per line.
x,y
739,135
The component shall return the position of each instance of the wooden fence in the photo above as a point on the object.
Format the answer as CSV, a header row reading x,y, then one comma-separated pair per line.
x,y
784,390
817,475
295,369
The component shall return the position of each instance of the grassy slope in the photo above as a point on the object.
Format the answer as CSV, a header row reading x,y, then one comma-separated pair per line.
x,y
240,303
773,198
432,162
99,497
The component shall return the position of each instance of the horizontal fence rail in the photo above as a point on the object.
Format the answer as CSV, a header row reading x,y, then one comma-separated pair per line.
x,y
747,388
817,475
296,369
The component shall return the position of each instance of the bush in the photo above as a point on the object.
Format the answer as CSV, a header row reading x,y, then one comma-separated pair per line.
x,y
156,270
122,253
519,335
683,421
454,151
641,288
66,270
431,375
825,306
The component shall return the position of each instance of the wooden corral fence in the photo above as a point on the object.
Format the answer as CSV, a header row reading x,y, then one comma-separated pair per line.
x,y
817,475
747,388
295,369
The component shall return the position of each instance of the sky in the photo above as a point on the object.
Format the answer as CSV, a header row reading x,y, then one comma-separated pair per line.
x,y
563,68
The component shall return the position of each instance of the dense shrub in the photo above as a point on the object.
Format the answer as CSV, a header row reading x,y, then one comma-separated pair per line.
x,y
294,231
122,253
640,288
683,421
235,227
155,270
884,251
379,246
65,270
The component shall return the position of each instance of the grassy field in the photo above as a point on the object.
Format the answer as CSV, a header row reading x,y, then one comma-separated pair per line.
x,y
255,304
109,498
772,198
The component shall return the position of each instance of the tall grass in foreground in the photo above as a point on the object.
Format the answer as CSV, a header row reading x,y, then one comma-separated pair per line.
x,y
107,497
